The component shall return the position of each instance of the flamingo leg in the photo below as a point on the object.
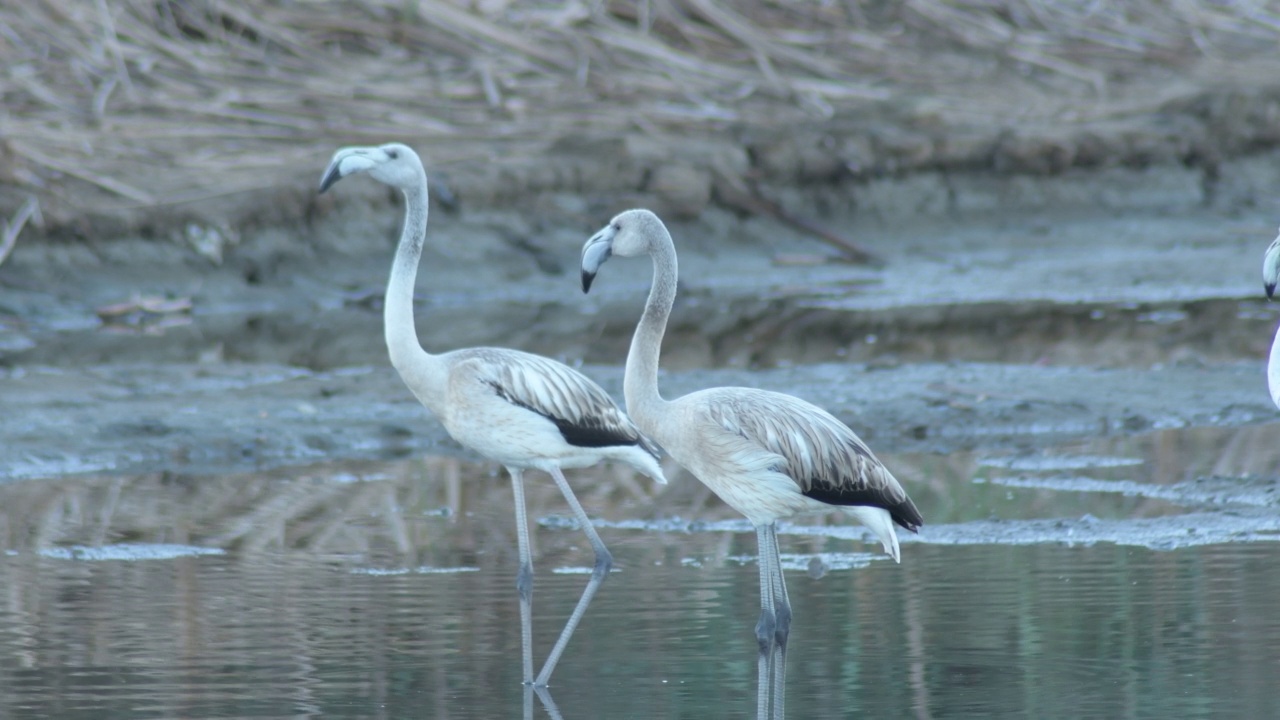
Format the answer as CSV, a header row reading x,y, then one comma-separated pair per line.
x,y
766,627
524,577
604,561
782,613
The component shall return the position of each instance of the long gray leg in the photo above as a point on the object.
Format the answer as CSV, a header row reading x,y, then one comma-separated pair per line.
x,y
604,561
524,577
782,612
766,628
781,601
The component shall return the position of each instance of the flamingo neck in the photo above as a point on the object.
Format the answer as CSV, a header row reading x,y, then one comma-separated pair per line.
x,y
418,368
640,383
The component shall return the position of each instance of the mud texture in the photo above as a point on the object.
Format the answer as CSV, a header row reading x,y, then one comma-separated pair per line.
x,y
1009,312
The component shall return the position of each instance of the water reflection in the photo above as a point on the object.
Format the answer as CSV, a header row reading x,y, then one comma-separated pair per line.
x,y
544,698
384,590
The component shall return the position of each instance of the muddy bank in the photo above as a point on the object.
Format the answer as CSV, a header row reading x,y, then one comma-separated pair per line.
x,y
1109,268
226,417
1009,310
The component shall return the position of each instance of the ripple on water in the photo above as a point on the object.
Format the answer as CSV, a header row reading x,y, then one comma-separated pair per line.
x,y
420,570
1201,492
128,551
1058,462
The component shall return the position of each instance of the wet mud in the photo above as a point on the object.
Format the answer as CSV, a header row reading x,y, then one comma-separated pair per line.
x,y
1009,315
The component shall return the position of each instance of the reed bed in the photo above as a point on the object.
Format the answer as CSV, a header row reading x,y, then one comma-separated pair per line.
x,y
120,105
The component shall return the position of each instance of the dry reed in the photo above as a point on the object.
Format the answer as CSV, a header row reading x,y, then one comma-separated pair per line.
x,y
119,104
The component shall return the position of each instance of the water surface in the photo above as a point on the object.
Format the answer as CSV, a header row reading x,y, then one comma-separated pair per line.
x,y
386,590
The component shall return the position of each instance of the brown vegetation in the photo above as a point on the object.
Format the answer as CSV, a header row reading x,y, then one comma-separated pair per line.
x,y
121,107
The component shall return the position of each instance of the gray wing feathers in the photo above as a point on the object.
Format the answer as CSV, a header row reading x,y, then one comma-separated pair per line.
x,y
820,452
556,390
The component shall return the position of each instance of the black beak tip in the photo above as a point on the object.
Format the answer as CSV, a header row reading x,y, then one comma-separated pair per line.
x,y
329,179
1271,290
587,279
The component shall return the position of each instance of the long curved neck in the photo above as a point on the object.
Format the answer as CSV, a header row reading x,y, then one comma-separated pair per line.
x,y
640,383
417,367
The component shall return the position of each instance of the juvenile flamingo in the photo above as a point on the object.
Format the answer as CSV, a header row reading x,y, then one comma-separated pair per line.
x,y
515,408
768,455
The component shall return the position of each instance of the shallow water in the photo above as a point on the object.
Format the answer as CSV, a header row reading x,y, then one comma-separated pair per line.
x,y
955,632
1080,581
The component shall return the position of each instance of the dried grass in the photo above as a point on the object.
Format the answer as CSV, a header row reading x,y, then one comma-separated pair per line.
x,y
29,211
146,103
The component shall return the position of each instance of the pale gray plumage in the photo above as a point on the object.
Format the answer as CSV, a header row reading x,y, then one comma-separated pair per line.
x,y
519,409
1270,275
754,435
766,454
817,451
554,390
